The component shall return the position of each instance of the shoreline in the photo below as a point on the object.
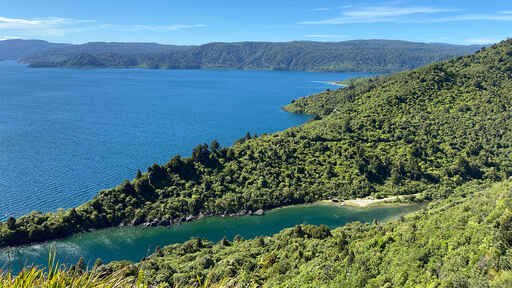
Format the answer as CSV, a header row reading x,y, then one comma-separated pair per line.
x,y
370,202
358,203
334,83
170,222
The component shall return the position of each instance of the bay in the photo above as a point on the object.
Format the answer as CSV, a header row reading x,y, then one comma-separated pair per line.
x,y
65,134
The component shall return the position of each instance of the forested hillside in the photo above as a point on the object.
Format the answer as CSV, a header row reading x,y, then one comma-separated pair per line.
x,y
462,241
353,56
428,130
102,50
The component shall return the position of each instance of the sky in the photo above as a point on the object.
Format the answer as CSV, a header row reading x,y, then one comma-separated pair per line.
x,y
201,21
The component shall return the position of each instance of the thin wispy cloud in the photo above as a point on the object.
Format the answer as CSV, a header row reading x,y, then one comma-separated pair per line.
x,y
416,14
321,9
52,22
56,26
14,21
134,28
167,28
52,26
325,36
377,14
474,17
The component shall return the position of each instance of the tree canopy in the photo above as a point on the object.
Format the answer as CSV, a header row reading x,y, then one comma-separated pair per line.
x,y
347,56
428,130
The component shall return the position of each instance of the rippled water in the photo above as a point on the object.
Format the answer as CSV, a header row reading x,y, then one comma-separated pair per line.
x,y
134,243
65,134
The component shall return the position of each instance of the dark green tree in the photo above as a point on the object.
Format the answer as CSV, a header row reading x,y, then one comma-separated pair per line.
x,y
11,223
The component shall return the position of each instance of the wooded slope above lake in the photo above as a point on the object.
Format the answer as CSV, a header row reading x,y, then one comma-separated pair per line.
x,y
428,130
462,241
347,56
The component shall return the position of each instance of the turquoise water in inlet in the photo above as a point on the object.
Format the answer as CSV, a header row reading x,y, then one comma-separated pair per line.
x,y
134,243
65,134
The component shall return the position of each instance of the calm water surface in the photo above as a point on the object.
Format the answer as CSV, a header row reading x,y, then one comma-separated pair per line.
x,y
134,243
65,134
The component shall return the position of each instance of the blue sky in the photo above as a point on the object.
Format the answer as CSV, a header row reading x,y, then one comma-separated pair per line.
x,y
197,22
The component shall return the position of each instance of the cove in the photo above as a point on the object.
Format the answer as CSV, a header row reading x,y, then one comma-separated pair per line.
x,y
134,243
65,134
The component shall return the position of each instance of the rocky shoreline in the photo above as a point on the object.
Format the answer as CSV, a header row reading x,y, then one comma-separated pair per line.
x,y
190,218
260,212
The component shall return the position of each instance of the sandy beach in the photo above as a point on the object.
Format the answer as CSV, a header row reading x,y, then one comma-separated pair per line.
x,y
366,202
336,83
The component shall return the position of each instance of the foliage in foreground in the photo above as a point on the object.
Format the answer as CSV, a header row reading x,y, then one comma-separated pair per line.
x,y
430,129
61,279
126,275
56,276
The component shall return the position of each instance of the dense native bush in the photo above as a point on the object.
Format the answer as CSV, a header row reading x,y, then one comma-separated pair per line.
x,y
461,241
354,56
464,240
427,130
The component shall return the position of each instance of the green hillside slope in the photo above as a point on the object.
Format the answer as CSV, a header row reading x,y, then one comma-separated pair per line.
x,y
428,130
462,241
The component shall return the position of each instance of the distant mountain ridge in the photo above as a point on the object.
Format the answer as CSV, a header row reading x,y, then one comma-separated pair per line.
x,y
16,48
347,56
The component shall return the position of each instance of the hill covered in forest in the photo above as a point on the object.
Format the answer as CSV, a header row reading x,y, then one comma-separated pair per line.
x,y
423,131
462,241
441,130
347,56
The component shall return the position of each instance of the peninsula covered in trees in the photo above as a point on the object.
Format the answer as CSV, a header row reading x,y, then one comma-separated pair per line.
x,y
346,56
428,130
441,130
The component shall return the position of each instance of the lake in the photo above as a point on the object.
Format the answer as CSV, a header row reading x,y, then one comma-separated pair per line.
x,y
66,134
134,243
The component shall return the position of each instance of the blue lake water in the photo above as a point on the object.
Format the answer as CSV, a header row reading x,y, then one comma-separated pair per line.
x,y
134,243
65,134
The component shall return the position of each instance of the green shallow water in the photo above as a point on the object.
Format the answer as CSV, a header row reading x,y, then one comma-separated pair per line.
x,y
134,243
